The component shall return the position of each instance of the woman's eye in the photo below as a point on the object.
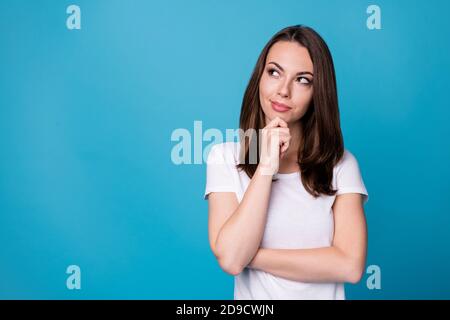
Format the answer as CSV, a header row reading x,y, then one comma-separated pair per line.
x,y
273,72
304,80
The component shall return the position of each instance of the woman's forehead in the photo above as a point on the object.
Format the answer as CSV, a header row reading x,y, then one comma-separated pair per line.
x,y
291,56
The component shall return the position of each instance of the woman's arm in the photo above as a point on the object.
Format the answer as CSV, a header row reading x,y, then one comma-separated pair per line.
x,y
236,233
239,237
344,261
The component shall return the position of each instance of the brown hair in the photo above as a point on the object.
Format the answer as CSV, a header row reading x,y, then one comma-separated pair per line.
x,y
322,145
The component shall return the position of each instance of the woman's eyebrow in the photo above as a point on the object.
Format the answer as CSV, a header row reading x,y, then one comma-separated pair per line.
x,y
298,73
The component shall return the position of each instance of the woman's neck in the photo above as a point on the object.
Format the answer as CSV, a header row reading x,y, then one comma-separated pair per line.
x,y
295,130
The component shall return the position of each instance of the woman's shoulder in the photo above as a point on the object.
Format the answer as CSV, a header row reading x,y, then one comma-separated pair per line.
x,y
225,151
348,160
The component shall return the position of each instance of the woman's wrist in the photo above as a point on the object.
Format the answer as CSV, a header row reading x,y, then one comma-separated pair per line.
x,y
265,170
254,263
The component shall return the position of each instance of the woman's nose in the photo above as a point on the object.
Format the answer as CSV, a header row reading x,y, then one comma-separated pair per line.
x,y
283,91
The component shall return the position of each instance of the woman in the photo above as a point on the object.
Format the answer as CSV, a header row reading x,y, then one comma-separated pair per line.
x,y
291,224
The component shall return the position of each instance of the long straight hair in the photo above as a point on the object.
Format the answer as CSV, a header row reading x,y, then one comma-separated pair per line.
x,y
321,146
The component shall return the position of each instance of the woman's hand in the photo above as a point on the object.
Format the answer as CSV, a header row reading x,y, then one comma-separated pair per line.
x,y
275,138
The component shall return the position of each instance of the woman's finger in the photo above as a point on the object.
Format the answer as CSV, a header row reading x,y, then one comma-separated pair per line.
x,y
277,122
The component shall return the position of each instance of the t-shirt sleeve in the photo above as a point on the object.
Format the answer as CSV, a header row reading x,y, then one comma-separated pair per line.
x,y
219,171
349,178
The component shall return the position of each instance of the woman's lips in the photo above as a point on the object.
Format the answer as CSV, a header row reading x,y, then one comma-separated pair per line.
x,y
279,107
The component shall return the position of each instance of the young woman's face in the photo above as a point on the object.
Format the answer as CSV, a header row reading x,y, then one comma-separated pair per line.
x,y
287,80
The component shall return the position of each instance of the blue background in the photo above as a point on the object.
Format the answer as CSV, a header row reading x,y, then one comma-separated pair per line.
x,y
86,118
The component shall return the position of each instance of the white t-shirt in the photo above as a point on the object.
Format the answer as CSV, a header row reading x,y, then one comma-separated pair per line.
x,y
295,220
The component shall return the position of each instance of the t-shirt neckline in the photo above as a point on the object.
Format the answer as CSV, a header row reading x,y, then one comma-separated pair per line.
x,y
287,175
